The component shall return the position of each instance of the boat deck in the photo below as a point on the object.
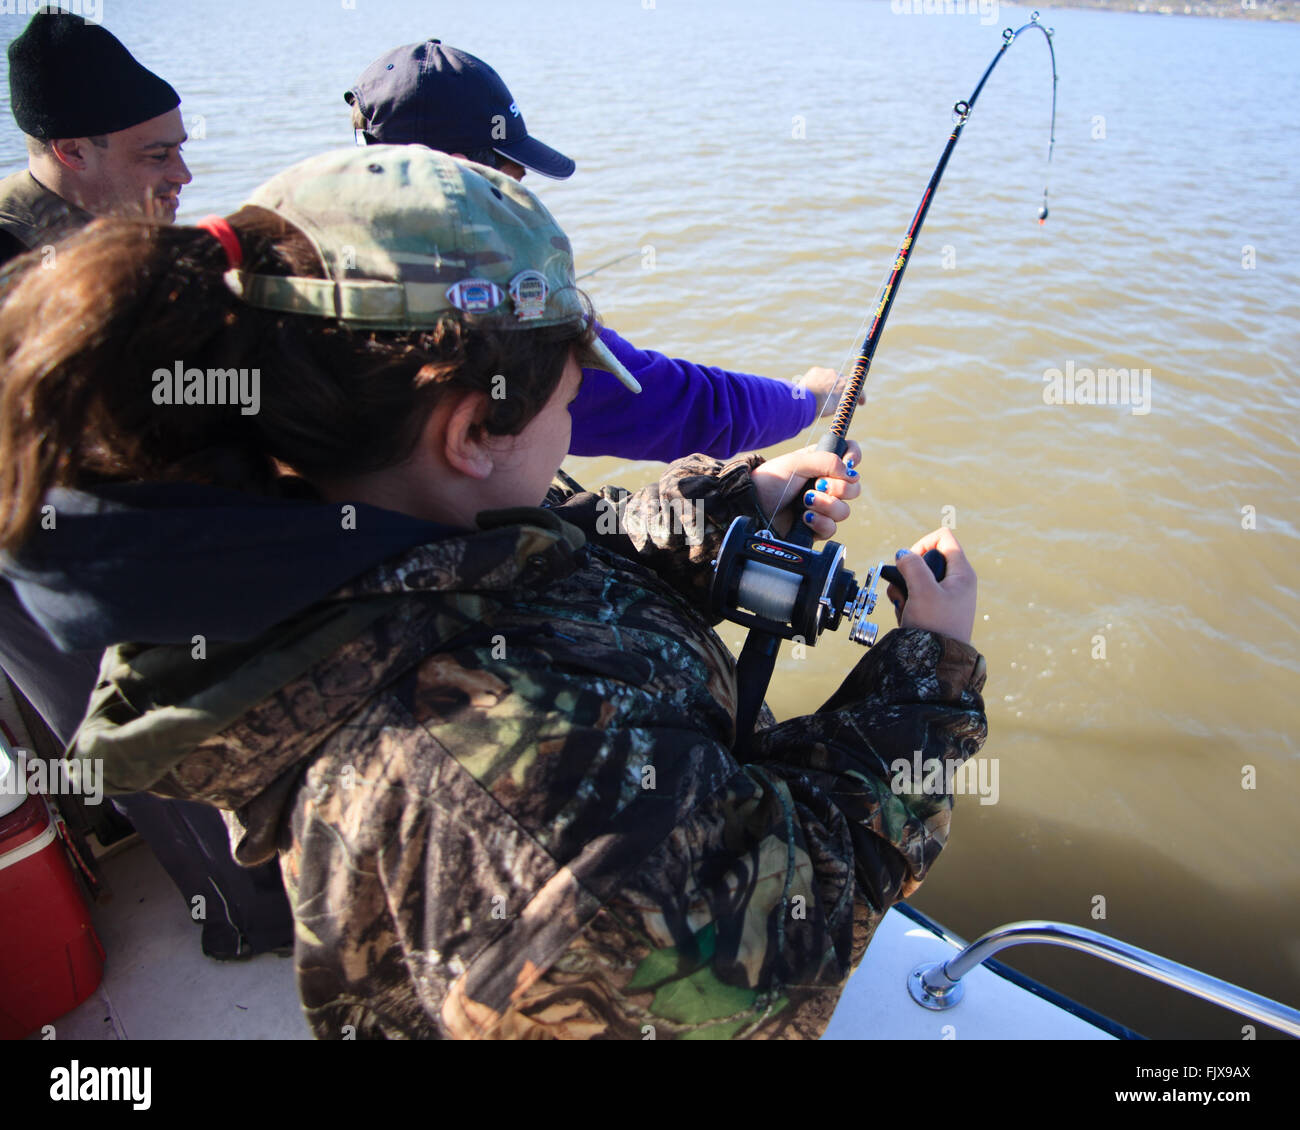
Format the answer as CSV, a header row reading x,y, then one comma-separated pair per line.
x,y
159,985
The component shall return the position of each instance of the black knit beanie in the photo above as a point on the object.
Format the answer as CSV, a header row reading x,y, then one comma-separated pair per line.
x,y
71,78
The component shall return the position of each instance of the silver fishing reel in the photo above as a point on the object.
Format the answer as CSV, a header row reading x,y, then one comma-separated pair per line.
x,y
791,590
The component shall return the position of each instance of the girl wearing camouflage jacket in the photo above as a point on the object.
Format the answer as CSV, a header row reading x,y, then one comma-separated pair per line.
x,y
482,719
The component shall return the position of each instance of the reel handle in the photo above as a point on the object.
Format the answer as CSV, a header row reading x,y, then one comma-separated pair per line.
x,y
938,566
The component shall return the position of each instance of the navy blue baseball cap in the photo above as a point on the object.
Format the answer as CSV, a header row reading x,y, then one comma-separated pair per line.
x,y
428,94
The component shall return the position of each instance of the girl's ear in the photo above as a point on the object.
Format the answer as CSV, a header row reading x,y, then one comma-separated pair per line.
x,y
463,437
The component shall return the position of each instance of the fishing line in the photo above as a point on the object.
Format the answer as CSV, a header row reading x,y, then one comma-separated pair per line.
x,y
594,270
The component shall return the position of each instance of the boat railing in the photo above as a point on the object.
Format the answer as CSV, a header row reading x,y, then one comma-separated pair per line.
x,y
939,986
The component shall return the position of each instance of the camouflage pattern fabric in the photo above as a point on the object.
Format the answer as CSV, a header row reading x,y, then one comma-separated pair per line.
x,y
32,214
397,224
509,806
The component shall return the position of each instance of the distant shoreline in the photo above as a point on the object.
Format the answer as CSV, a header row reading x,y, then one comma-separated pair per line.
x,y
1277,11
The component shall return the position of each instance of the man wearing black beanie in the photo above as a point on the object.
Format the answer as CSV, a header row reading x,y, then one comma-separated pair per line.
x,y
103,134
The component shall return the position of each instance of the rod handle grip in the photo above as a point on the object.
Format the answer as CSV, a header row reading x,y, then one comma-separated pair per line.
x,y
800,534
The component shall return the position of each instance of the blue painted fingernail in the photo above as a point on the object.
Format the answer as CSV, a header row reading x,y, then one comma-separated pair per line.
x,y
823,485
852,473
901,553
849,464
808,517
809,498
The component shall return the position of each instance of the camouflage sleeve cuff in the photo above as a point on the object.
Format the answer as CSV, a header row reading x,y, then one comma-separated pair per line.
x,y
914,665
674,526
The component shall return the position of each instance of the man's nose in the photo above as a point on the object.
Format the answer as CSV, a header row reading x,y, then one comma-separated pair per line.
x,y
179,172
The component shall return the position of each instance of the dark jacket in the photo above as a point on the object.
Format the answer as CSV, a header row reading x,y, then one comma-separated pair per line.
x,y
31,215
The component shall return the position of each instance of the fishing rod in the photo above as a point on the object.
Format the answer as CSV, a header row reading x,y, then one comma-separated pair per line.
x,y
780,588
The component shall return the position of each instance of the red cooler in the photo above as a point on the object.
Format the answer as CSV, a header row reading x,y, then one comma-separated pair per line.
x,y
50,957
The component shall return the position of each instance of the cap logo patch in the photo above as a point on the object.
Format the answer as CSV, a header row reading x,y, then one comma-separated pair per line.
x,y
475,296
529,290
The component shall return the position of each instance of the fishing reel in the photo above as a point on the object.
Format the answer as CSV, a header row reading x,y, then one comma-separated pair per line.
x,y
788,590
797,592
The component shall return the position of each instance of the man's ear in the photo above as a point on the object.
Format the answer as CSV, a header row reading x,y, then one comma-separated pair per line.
x,y
463,438
72,152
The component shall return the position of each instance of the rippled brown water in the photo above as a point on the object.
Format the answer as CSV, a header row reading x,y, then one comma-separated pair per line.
x,y
1091,526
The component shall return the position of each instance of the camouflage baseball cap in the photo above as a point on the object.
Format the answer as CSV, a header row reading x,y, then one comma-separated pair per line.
x,y
408,234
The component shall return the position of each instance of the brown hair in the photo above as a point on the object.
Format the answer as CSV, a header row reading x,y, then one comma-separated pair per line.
x,y
80,344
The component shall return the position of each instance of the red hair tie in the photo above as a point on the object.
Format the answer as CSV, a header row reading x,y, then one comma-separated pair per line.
x,y
219,228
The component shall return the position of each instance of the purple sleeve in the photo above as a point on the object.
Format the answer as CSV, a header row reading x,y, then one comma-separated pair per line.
x,y
682,409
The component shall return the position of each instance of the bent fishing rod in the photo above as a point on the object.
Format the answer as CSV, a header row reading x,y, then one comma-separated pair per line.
x,y
780,588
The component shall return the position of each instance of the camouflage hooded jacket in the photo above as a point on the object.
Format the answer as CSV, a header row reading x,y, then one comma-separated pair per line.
x,y
499,772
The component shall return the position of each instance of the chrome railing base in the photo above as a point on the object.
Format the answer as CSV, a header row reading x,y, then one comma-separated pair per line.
x,y
935,999
938,986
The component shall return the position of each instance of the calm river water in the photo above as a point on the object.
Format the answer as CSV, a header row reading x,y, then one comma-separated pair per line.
x,y
1137,561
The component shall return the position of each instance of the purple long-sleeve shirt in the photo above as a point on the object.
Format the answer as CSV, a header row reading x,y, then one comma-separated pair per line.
x,y
682,409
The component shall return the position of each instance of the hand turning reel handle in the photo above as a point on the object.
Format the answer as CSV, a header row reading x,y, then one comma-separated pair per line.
x,y
938,566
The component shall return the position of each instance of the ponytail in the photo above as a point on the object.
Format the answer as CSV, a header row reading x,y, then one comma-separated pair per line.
x,y
80,341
